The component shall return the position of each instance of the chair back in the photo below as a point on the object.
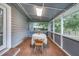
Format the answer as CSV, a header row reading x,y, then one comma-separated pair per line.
x,y
38,42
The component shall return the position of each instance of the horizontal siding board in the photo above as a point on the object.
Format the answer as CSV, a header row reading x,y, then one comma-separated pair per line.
x,y
19,26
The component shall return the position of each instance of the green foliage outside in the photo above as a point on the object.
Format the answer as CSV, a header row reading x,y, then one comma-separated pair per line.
x,y
71,22
51,26
58,25
44,25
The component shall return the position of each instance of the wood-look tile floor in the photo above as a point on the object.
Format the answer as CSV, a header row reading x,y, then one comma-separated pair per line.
x,y
51,50
11,52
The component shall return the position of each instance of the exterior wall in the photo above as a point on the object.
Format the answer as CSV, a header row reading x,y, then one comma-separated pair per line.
x,y
19,27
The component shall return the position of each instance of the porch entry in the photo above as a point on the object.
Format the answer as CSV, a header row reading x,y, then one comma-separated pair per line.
x,y
2,27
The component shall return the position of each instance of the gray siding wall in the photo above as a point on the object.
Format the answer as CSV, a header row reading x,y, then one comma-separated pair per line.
x,y
31,30
19,27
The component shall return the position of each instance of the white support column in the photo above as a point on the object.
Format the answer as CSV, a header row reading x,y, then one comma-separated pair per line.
x,y
48,29
62,23
49,26
53,30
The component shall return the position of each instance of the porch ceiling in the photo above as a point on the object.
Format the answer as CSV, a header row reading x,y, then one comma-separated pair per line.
x,y
50,11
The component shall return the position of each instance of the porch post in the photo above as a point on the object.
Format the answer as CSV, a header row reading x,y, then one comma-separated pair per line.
x,y
53,30
49,26
62,23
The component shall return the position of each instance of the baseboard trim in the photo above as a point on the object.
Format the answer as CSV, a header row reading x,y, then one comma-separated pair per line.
x,y
60,47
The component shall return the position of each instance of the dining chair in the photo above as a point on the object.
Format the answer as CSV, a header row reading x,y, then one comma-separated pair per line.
x,y
38,45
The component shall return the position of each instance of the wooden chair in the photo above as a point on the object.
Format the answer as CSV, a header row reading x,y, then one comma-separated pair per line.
x,y
38,45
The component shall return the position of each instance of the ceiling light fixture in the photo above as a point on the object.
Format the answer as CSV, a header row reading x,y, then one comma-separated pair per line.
x,y
39,11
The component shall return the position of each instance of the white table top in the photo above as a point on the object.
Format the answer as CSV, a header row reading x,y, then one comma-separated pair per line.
x,y
39,36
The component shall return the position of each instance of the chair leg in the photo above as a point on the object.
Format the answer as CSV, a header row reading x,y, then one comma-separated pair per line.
x,y
35,50
42,48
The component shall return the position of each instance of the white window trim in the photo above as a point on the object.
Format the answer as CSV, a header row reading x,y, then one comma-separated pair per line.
x,y
8,26
4,28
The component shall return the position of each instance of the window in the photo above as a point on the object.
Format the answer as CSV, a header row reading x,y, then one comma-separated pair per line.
x,y
51,26
58,25
40,26
71,25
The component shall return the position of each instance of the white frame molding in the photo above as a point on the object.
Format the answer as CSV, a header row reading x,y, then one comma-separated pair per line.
x,y
4,28
8,25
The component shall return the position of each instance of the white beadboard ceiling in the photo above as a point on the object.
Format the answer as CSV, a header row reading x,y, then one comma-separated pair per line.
x,y
50,11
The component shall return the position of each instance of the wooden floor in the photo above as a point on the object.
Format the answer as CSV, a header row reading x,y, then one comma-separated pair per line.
x,y
11,52
51,50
